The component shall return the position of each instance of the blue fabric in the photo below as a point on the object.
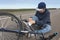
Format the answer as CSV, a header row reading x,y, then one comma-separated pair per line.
x,y
45,30
34,18
44,18
41,5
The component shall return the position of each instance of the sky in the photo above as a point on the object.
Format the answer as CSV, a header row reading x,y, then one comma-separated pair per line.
x,y
21,4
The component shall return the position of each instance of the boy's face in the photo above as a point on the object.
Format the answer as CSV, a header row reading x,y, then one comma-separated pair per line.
x,y
41,10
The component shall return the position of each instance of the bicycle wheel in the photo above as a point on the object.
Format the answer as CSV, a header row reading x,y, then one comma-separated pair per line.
x,y
10,22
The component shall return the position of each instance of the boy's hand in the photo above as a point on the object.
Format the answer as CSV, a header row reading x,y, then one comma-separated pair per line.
x,y
32,22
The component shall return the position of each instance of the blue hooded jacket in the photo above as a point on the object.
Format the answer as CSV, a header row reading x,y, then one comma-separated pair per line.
x,y
44,18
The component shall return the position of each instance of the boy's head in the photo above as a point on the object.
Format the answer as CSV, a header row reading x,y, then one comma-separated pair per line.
x,y
41,7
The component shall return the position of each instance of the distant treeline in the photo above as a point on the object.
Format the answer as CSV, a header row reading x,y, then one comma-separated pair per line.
x,y
25,9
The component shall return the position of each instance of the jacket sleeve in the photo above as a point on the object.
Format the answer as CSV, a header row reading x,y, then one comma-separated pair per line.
x,y
45,20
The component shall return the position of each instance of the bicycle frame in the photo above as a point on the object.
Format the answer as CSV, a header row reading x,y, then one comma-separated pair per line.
x,y
20,32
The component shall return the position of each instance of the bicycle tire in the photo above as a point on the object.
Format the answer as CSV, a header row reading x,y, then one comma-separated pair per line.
x,y
11,15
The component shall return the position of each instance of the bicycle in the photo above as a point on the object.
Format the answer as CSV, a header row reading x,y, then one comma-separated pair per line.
x,y
19,31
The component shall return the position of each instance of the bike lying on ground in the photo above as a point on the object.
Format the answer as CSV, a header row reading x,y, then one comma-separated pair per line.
x,y
17,30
